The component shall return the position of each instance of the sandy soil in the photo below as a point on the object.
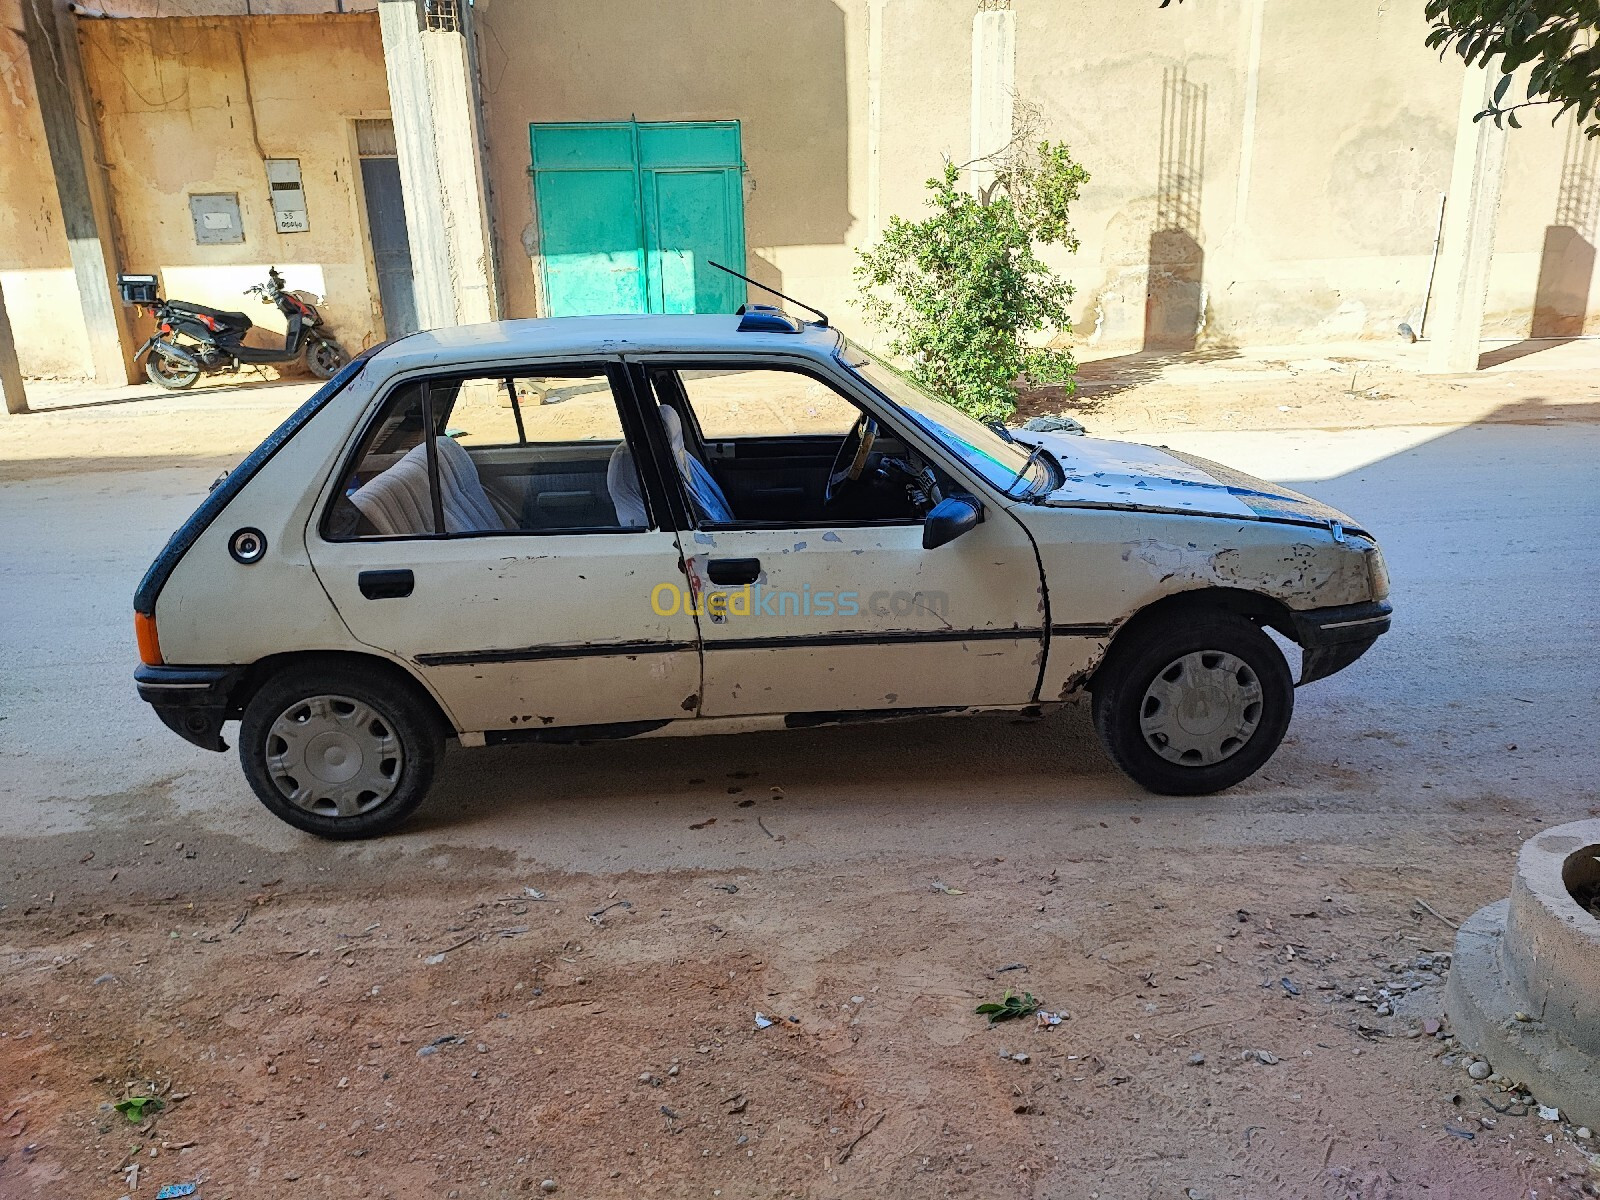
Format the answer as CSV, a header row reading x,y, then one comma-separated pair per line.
x,y
310,1041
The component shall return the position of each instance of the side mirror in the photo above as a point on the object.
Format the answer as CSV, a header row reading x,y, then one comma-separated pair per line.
x,y
949,519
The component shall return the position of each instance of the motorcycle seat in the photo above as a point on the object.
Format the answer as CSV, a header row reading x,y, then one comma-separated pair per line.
x,y
233,320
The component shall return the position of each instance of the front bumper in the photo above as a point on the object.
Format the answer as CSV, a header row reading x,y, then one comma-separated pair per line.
x,y
191,701
1333,638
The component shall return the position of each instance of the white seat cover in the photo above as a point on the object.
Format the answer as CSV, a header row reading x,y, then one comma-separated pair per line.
x,y
396,502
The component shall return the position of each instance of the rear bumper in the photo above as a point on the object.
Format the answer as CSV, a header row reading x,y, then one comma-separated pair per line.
x,y
1333,638
191,701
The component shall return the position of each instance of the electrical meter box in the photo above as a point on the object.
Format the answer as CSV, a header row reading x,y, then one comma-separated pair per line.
x,y
216,218
288,196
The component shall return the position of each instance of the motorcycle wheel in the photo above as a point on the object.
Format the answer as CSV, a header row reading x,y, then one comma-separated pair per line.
x,y
324,358
163,372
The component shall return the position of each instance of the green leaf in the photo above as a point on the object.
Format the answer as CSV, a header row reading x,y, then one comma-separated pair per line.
x,y
135,1108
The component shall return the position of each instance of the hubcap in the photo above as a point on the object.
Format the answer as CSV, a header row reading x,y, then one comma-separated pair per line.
x,y
1201,709
333,756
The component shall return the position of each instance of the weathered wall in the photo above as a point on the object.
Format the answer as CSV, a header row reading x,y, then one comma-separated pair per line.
x,y
35,272
793,76
192,105
1284,183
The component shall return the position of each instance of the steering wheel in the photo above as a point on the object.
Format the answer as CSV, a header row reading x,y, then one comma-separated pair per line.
x,y
851,459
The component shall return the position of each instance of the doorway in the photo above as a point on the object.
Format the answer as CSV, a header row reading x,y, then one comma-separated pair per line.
x,y
631,214
386,226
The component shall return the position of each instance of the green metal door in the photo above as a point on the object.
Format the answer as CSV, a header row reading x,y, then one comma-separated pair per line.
x,y
630,215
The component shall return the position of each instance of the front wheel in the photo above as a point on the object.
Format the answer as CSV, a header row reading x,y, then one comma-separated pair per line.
x,y
1193,706
324,358
170,373
338,752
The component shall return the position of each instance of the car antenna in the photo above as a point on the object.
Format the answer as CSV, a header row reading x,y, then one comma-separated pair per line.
x,y
822,316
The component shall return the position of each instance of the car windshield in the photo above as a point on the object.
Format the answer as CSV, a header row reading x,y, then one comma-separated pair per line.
x,y
1005,465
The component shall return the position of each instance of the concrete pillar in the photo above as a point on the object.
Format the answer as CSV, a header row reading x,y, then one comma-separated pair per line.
x,y
50,32
1462,288
10,371
874,120
994,88
433,98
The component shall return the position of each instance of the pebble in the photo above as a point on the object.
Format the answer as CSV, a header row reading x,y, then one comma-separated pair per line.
x,y
1197,1059
1264,1057
1479,1070
1020,1057
1582,1133
1546,1113
1487,1122
549,1185
1383,1010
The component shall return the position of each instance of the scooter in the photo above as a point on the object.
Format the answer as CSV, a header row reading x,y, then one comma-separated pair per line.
x,y
214,340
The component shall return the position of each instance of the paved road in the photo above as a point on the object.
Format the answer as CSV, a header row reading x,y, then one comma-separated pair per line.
x,y
1483,698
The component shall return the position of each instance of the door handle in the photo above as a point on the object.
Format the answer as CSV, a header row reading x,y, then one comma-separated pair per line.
x,y
733,570
386,585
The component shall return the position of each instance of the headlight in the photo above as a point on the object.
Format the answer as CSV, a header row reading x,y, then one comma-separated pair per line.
x,y
1377,573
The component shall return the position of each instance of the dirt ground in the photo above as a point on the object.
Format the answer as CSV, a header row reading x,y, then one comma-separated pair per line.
x,y
567,989
311,1040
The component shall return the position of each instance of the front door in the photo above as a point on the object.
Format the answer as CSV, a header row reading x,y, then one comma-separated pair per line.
x,y
491,532
817,609
631,214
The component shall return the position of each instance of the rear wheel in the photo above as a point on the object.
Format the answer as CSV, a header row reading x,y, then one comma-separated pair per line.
x,y
339,752
1194,705
324,358
169,373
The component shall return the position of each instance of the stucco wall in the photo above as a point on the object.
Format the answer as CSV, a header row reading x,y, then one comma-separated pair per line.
x,y
36,274
1317,225
183,104
793,77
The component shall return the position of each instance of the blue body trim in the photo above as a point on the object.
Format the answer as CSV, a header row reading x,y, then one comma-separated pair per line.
x,y
144,599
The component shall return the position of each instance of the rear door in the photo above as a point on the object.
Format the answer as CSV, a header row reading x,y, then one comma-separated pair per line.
x,y
499,565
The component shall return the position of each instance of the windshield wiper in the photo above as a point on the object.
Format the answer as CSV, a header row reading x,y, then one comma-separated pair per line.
x,y
1005,434
1036,455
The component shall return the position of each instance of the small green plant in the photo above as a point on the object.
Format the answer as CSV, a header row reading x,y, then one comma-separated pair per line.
x,y
1011,1005
962,294
136,1108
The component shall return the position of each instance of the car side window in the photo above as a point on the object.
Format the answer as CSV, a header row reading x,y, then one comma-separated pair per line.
x,y
494,453
763,402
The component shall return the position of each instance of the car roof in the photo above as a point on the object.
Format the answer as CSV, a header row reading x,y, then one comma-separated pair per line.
x,y
578,336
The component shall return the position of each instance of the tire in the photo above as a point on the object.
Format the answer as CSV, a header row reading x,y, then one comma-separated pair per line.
x,y
172,376
1195,704
324,357
347,714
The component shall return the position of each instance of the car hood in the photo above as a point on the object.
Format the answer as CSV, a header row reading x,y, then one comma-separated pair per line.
x,y
1134,478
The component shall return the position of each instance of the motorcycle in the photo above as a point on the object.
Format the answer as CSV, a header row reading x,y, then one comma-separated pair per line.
x,y
214,339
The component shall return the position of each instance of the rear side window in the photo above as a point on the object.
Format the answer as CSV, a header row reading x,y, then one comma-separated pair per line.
x,y
502,453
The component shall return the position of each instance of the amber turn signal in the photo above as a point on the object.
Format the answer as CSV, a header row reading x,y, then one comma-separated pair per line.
x,y
144,629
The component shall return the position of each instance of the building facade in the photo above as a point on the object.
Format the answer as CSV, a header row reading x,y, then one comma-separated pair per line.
x,y
1262,171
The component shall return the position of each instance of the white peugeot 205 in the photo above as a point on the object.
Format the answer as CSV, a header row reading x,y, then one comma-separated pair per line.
x,y
620,527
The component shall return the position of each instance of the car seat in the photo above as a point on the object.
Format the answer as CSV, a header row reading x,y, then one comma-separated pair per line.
x,y
397,502
622,482
701,485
